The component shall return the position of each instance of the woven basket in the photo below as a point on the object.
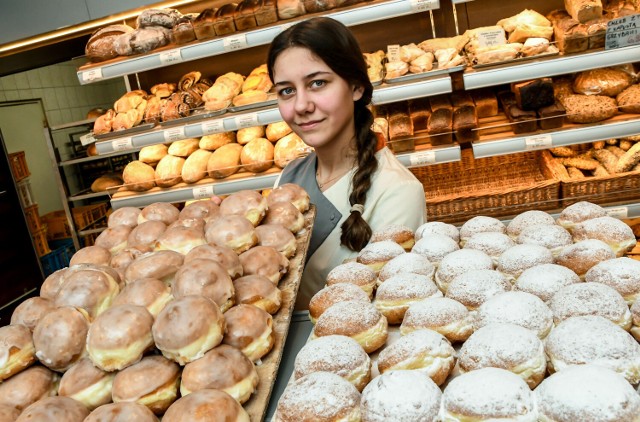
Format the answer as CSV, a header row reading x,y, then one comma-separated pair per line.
x,y
494,186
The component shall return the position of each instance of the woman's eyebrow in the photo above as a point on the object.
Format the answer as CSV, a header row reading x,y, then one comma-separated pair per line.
x,y
307,77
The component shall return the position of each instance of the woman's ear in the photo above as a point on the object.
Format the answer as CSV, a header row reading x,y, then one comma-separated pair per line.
x,y
358,90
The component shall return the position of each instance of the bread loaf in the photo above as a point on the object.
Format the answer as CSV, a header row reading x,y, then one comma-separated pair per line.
x,y
584,10
103,183
315,6
485,101
266,12
289,148
288,9
277,130
531,95
244,135
184,147
522,121
101,44
419,112
588,108
440,101
195,166
183,32
257,155
216,140
629,100
244,17
440,126
224,23
571,36
552,116
465,123
605,81
166,18
224,161
138,176
146,39
249,97
169,171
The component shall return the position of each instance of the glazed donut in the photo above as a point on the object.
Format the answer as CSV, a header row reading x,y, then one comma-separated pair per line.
x,y
623,274
152,382
635,316
204,208
8,413
475,287
278,237
488,394
426,351
150,293
265,261
246,203
113,239
127,216
60,337
551,236
159,264
87,384
459,262
518,258
93,254
398,233
400,396
197,223
480,224
409,262
593,339
145,234
206,278
223,368
491,243
54,408
358,320
446,316
292,193
434,247
335,293
285,213
162,211
520,308
123,259
122,412
587,393
250,329
180,239
319,396
340,355
354,273
590,299
545,280
108,271
258,290
527,219
28,386
90,290
437,227
119,337
233,231
615,233
376,255
201,405
187,328
30,311
579,212
397,293
52,283
223,255
583,255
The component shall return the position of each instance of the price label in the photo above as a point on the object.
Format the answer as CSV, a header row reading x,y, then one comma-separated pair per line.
x,y
92,75
393,52
538,142
174,134
422,158
617,212
237,42
424,5
491,38
623,32
202,192
122,144
213,126
87,139
170,57
247,120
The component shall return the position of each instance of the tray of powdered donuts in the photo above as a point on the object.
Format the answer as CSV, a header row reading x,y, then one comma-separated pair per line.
x,y
177,312
534,318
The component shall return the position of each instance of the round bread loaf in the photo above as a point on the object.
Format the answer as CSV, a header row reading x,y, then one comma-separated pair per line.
x,y
475,287
106,182
100,46
225,161
217,140
194,168
183,147
139,176
87,384
446,316
152,154
545,280
288,148
277,130
244,135
257,155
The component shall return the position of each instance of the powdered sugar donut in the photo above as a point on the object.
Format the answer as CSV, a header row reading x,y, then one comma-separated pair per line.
x,y
623,274
583,255
398,233
395,295
518,258
579,212
491,243
475,287
355,273
635,316
545,280
480,224
551,236
409,262
437,227
335,293
615,233
376,255
459,262
434,247
446,316
527,219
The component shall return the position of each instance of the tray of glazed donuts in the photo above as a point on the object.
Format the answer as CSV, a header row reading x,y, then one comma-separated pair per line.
x,y
176,312
534,318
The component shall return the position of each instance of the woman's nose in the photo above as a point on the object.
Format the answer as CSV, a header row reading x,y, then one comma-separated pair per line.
x,y
303,103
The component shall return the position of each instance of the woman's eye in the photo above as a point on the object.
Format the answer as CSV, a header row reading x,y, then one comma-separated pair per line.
x,y
284,92
318,83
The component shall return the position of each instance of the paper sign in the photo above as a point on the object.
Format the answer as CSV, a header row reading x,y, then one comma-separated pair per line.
x,y
393,52
617,212
424,5
247,120
491,38
174,134
92,75
538,142
87,139
237,42
422,158
170,57
122,144
202,192
212,126
623,32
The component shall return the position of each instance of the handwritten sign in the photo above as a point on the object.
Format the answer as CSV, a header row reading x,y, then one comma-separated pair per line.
x,y
170,57
87,139
491,38
237,42
212,126
202,192
174,134
122,144
422,158
393,52
623,32
424,5
617,212
538,142
92,75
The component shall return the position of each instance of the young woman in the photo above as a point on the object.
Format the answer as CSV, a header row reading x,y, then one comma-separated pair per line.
x,y
323,90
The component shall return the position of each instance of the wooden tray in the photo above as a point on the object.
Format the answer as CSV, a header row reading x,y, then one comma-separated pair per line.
x,y
267,369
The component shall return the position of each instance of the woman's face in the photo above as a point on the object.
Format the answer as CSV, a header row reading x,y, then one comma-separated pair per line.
x,y
315,102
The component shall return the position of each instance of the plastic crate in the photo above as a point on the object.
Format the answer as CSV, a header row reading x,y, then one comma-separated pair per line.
x,y
57,225
59,257
18,164
89,240
24,193
86,215
33,218
40,241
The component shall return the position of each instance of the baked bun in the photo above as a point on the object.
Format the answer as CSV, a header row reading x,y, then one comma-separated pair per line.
x,y
397,293
125,216
113,239
354,273
60,337
583,255
159,264
152,154
635,315
28,386
426,351
285,213
8,413
446,316
187,328
593,339
122,412
152,382
475,287
204,208
292,193
258,290
587,393
518,308
579,212
87,384
437,227
590,299
615,233
516,259
233,231
398,233
527,219
162,211
30,311
201,405
409,262
459,262
250,329
225,161
207,278
319,396
277,130
265,261
491,243
138,176
180,239
480,224
278,237
551,236
257,155
244,135
93,254
121,261
150,293
223,255
183,147
88,289
376,255
105,182
216,140
434,247
334,293
168,171
340,355
545,280
119,337
488,394
57,407
145,234
247,203
623,274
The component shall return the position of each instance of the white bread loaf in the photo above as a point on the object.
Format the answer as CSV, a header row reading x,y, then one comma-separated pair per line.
x,y
257,155
225,161
584,10
195,166
169,171
138,176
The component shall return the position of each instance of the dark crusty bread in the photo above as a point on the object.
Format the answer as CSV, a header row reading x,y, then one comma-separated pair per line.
x,y
461,98
419,112
485,101
531,95
101,44
440,126
440,101
571,36
266,12
465,123
203,24
224,23
244,16
522,121
552,116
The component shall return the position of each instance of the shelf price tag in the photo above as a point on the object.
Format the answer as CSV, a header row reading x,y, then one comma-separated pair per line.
x,y
393,52
237,42
212,126
170,57
623,32
247,120
532,143
92,75
122,144
174,134
422,158
617,212
202,192
491,38
424,5
87,139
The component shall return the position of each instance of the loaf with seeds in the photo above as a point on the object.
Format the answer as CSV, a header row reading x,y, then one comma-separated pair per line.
x,y
588,108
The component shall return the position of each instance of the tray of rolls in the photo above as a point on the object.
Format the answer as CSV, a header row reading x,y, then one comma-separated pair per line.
x,y
175,311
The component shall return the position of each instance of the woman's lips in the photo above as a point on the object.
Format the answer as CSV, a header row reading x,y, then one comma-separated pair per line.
x,y
308,125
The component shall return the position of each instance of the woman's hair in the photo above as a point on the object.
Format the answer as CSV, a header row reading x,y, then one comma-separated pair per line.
x,y
336,46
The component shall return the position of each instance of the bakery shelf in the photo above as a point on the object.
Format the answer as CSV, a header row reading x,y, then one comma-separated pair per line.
x,y
89,195
92,158
547,67
424,157
390,93
360,14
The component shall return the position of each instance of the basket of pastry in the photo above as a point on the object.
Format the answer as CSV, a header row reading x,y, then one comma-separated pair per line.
x,y
603,171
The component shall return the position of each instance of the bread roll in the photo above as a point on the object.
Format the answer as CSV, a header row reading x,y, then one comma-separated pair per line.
x,y
151,154
184,147
249,97
168,172
139,176
225,161
289,148
257,155
277,130
195,166
216,140
245,135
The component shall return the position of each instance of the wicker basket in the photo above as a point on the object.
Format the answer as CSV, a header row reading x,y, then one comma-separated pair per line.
x,y
494,186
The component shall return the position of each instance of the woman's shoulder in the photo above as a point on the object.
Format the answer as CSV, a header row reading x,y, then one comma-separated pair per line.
x,y
391,170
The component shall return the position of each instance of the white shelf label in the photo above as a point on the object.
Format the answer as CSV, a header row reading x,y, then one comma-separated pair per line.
x,y
424,5
237,42
122,144
538,142
617,212
87,139
623,32
170,57
174,134
202,192
247,120
491,38
92,75
422,158
393,52
213,126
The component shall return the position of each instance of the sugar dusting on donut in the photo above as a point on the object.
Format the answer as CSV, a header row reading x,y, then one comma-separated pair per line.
x,y
590,299
519,308
351,272
334,353
475,287
545,280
